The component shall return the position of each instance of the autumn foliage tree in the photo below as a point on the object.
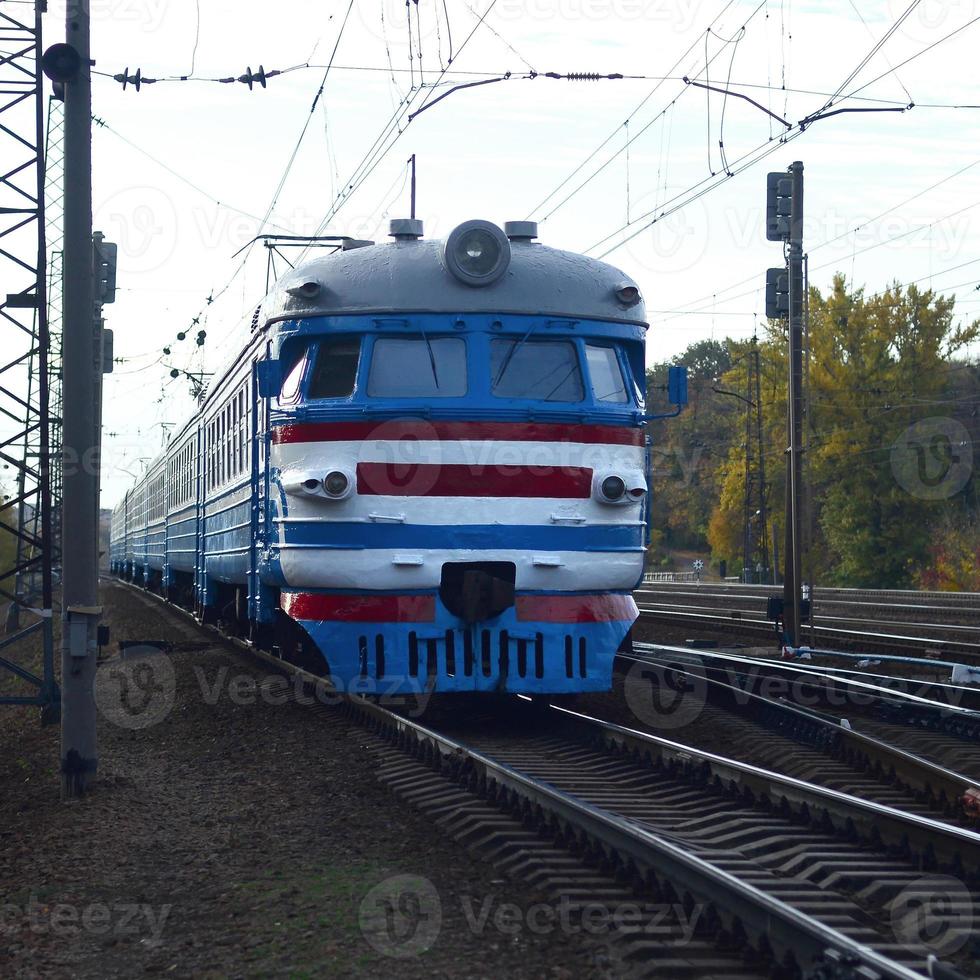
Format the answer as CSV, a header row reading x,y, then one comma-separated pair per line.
x,y
878,367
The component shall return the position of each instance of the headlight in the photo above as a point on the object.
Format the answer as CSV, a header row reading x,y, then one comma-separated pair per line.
x,y
477,253
336,485
624,487
613,488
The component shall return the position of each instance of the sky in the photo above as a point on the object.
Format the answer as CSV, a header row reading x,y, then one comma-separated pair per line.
x,y
185,171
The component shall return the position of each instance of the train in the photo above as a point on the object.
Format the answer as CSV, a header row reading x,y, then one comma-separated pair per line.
x,y
426,469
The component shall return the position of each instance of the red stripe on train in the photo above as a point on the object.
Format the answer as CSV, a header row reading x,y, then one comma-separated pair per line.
x,y
360,608
422,430
464,480
575,608
422,608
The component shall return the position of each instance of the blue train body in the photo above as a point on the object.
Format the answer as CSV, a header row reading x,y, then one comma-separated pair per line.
x,y
425,470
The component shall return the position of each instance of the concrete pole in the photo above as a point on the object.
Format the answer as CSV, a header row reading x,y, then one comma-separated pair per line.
x,y
80,600
794,461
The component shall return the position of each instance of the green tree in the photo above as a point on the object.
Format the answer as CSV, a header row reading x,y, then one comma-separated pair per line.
x,y
686,450
878,365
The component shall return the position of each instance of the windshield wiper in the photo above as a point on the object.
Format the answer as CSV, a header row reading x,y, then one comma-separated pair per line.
x,y
509,356
432,356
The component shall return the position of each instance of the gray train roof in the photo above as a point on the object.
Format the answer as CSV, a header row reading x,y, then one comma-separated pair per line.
x,y
409,276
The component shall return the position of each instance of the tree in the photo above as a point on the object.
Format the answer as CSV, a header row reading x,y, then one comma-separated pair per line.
x,y
878,367
686,450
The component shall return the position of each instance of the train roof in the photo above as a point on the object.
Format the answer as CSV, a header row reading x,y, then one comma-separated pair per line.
x,y
413,275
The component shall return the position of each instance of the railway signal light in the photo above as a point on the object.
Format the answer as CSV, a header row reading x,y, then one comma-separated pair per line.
x,y
779,206
777,293
105,270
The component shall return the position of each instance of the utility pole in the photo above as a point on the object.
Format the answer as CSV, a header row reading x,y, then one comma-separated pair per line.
x,y
760,443
784,298
80,602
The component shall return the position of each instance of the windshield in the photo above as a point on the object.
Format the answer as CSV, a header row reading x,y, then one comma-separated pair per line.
x,y
545,370
335,370
605,373
409,367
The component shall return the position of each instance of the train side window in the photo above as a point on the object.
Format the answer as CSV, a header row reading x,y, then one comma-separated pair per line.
x,y
409,367
290,387
544,370
606,374
335,371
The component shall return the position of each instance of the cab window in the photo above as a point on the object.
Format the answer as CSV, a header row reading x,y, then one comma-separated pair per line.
x,y
605,374
544,370
335,370
294,378
410,367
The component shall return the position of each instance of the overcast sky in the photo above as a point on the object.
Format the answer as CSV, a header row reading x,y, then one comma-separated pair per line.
x,y
503,150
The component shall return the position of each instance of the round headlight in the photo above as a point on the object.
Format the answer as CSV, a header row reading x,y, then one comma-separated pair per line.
x,y
613,487
336,484
477,253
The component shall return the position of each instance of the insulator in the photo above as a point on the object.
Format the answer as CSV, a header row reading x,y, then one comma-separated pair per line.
x,y
249,78
127,79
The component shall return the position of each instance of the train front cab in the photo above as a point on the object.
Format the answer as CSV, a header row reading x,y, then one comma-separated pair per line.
x,y
460,502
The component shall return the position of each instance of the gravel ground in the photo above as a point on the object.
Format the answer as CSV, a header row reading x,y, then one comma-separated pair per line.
x,y
239,838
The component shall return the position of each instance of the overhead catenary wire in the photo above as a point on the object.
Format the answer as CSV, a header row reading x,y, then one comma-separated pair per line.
x,y
754,156
846,234
391,132
213,296
640,105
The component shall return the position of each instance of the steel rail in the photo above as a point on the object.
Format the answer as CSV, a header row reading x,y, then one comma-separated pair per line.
x,y
922,775
729,623
864,683
954,845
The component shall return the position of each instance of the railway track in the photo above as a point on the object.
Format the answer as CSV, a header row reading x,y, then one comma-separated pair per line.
x,y
786,879
673,691
932,623
938,721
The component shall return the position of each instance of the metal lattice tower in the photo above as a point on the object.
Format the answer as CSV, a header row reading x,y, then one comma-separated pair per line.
x,y
54,226
25,513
